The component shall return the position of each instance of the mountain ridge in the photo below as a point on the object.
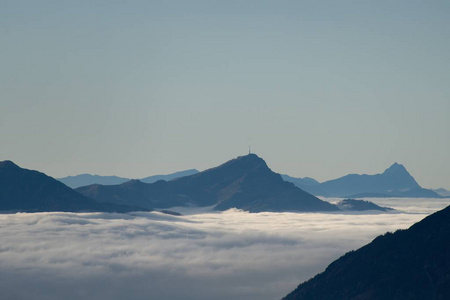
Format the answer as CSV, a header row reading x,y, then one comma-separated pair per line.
x,y
395,181
245,182
84,179
33,191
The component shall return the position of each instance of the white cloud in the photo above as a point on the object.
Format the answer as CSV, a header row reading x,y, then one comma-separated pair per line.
x,y
230,255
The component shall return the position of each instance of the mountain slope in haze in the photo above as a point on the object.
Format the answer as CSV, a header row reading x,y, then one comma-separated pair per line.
x,y
88,179
394,179
393,182
300,182
408,264
307,184
168,177
443,192
245,183
32,191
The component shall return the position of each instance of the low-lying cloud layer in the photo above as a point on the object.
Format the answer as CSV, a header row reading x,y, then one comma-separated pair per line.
x,y
229,255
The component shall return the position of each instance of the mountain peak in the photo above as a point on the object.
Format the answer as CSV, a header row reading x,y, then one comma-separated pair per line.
x,y
8,164
396,168
250,157
246,162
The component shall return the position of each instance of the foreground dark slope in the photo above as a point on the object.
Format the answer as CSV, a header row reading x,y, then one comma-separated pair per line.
x,y
32,191
245,182
408,264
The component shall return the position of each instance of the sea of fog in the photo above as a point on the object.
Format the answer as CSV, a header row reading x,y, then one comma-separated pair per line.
x,y
200,255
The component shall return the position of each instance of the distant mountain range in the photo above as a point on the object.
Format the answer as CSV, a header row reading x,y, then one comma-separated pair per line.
x,y
393,182
408,264
23,190
88,179
245,183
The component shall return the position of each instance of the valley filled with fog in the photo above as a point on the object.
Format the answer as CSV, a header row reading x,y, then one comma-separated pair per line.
x,y
200,255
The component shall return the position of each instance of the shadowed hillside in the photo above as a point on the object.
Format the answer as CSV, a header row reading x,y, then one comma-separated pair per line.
x,y
32,191
407,264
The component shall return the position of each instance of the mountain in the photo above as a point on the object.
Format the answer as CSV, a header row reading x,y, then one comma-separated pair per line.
x,y
407,264
88,179
308,184
360,205
393,182
395,179
300,182
245,183
168,177
31,191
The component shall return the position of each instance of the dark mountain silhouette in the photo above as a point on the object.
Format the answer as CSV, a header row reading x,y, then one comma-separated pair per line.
x,y
360,205
88,179
245,183
394,182
31,191
408,264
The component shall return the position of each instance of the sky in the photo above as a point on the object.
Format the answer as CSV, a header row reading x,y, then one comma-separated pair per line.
x,y
136,88
149,255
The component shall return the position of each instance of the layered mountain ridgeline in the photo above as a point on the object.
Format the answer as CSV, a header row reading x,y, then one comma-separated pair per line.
x,y
394,182
168,177
408,264
88,179
300,182
245,183
23,190
307,184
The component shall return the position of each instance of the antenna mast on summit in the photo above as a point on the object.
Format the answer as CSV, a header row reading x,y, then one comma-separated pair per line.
x,y
249,149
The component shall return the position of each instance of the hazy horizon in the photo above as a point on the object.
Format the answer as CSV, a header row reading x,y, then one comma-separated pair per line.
x,y
317,88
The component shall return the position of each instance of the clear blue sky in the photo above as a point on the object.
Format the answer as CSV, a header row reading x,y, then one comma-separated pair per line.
x,y
134,88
